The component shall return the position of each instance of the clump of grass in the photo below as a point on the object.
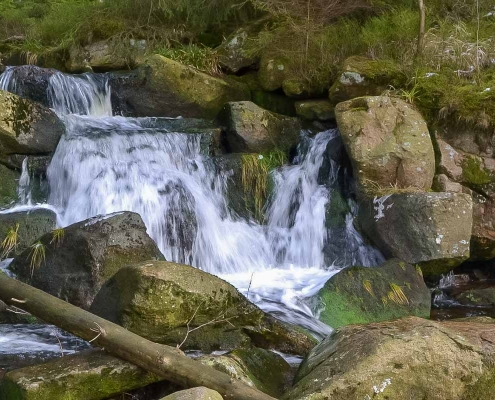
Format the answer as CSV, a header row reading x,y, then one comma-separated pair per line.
x,y
255,171
202,58
9,243
57,236
372,189
36,256
368,287
397,295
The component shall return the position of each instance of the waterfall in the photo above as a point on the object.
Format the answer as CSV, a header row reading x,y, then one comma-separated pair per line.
x,y
104,164
24,189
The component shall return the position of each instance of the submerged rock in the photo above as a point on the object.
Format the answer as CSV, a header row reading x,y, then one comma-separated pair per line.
x,y
388,143
198,393
429,229
27,127
157,300
411,358
8,187
365,77
27,225
74,262
165,88
251,129
259,368
89,375
358,295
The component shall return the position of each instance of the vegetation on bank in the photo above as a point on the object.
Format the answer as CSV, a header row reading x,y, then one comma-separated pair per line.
x,y
453,76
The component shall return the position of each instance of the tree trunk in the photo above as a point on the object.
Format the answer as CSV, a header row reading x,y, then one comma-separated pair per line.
x,y
165,361
422,24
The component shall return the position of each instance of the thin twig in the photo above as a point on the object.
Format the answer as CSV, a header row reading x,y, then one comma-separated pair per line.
x,y
59,343
99,330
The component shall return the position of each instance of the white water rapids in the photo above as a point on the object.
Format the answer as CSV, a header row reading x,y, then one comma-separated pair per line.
x,y
106,163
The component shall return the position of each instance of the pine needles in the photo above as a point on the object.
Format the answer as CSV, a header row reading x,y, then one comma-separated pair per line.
x,y
36,256
9,243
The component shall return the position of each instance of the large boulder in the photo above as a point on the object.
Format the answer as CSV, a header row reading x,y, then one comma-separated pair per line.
x,y
251,129
27,127
8,186
263,369
358,295
30,82
411,358
165,88
162,300
429,229
73,263
27,225
89,375
388,143
365,77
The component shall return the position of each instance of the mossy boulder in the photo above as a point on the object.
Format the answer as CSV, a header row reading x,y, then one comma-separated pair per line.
x,y
365,77
157,300
79,259
301,89
411,358
251,129
198,393
273,72
8,187
29,225
429,229
359,295
89,375
315,110
388,143
162,87
263,369
231,53
27,127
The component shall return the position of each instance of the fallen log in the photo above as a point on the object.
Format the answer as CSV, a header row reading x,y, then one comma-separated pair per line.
x,y
165,361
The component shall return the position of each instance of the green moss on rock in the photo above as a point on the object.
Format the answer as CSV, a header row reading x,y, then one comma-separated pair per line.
x,y
8,186
362,295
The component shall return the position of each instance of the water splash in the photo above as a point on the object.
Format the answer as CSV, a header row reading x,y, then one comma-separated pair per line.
x,y
24,188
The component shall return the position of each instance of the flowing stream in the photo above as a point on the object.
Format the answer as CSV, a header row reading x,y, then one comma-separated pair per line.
x,y
107,163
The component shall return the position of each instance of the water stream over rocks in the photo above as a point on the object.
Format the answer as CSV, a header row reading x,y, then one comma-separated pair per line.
x,y
106,163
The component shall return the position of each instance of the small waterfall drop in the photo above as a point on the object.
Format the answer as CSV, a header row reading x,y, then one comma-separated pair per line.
x,y
105,164
24,189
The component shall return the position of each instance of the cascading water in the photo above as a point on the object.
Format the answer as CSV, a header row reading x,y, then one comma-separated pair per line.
x,y
106,164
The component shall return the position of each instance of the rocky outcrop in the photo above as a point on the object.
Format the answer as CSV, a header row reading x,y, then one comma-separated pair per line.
x,y
198,393
263,369
358,295
315,110
165,88
31,82
429,229
28,225
98,56
8,186
411,358
159,300
365,77
74,262
388,143
231,53
90,375
27,127
251,129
